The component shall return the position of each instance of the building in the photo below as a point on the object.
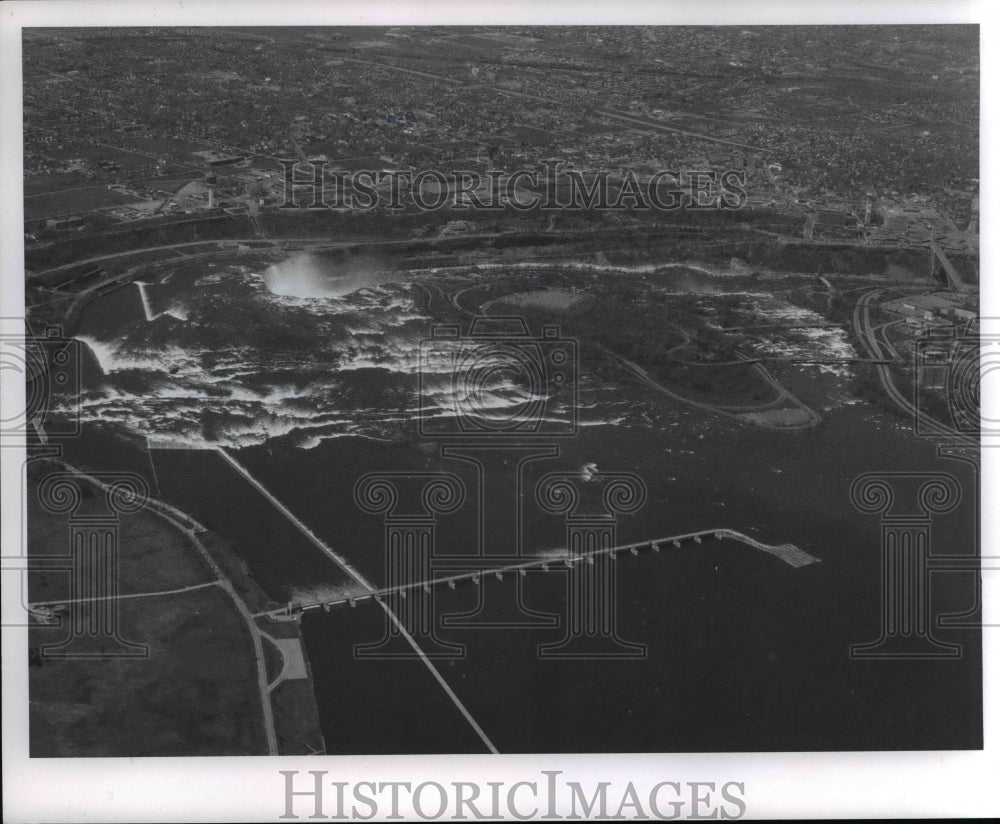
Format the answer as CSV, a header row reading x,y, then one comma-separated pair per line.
x,y
831,217
227,160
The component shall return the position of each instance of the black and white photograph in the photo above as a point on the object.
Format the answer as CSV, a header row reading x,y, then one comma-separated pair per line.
x,y
449,388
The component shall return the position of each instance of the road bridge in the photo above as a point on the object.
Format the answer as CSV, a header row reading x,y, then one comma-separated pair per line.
x,y
954,279
789,553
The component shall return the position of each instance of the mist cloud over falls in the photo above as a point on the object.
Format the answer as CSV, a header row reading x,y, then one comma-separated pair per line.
x,y
310,275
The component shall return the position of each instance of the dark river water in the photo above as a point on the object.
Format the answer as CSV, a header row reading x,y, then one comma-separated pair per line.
x,y
742,651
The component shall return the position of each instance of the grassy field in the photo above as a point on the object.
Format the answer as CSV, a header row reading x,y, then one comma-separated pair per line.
x,y
195,693
552,300
152,557
54,182
74,201
297,718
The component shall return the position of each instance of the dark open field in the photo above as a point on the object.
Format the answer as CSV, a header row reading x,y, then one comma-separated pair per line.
x,y
74,201
195,693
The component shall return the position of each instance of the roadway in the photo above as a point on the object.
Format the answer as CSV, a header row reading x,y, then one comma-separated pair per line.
x,y
189,528
866,333
954,279
788,553
812,418
359,579
281,241
125,597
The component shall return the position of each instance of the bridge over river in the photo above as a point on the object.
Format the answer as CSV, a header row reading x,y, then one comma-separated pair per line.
x,y
954,279
789,553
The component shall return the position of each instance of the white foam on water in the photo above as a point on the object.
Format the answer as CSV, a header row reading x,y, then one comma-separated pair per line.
x,y
114,357
307,275
820,342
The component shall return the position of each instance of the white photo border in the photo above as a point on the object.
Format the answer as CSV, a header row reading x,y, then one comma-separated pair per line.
x,y
806,785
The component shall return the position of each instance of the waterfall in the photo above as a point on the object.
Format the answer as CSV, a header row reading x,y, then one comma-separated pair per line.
x,y
306,275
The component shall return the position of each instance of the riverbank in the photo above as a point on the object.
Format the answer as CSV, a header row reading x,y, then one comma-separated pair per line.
x,y
203,677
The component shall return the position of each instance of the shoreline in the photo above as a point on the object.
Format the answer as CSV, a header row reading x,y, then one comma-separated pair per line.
x,y
291,722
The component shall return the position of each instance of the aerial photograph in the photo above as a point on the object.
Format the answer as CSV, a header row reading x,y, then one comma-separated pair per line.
x,y
502,389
